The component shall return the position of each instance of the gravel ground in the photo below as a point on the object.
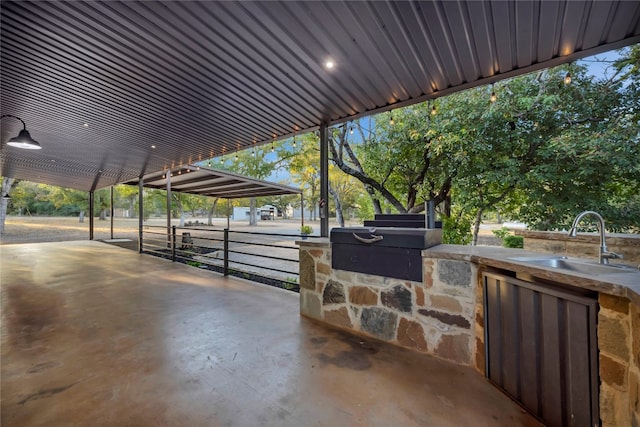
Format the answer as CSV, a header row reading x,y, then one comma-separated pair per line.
x,y
31,229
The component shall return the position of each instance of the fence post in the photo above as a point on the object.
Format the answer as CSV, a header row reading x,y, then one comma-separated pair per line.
x,y
226,252
173,243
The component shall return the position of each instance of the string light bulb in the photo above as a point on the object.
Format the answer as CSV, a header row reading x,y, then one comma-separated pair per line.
x,y
222,160
493,97
433,110
391,122
209,164
567,78
237,157
294,140
351,130
272,147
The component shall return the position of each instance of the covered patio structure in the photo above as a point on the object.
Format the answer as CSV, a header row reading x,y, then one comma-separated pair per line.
x,y
113,91
205,181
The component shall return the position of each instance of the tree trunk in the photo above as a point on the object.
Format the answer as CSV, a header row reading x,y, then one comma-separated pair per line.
x,y
476,227
211,210
253,217
81,217
377,208
447,206
103,214
6,186
336,199
180,210
132,207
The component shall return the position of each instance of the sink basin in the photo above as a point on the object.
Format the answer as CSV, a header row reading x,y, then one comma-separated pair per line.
x,y
584,267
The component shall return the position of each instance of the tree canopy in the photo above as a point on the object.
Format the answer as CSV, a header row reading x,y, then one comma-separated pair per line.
x,y
542,152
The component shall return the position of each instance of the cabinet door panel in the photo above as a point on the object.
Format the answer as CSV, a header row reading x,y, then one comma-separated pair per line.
x,y
541,349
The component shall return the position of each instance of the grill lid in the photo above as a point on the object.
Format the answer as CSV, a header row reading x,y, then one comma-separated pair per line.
x,y
408,238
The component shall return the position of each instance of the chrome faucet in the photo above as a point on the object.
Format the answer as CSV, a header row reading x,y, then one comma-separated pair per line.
x,y
605,254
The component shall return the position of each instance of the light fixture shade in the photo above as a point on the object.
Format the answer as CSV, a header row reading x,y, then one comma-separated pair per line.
x,y
24,140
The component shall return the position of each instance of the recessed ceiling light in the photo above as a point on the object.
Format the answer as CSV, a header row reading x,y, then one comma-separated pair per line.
x,y
153,146
86,125
329,64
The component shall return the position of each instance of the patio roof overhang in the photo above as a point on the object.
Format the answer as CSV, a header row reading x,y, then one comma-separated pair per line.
x,y
116,90
205,181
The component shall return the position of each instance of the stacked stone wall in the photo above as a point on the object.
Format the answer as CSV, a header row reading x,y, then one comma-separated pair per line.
x,y
619,361
438,316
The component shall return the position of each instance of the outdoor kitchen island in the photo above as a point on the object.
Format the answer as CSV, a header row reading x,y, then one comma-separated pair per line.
x,y
540,320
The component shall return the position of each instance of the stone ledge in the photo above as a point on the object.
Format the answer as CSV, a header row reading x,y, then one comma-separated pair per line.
x,y
619,238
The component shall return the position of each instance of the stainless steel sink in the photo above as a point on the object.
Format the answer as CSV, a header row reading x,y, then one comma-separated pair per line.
x,y
578,266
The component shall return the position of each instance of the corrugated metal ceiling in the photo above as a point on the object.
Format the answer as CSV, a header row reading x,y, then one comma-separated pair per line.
x,y
195,79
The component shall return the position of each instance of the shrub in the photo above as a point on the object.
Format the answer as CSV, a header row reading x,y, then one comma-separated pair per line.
x,y
456,231
513,242
508,240
306,229
502,233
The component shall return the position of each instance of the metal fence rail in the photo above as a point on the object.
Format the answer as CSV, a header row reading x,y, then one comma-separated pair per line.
x,y
269,258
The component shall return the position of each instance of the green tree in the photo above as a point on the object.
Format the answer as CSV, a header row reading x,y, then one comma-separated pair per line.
x,y
128,193
304,166
542,152
257,162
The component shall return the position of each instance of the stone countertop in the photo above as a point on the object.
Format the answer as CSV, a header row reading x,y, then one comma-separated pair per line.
x,y
620,284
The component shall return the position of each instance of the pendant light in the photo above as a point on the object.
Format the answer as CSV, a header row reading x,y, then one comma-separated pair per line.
x,y
23,140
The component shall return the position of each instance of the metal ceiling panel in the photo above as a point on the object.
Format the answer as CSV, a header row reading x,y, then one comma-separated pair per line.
x,y
195,79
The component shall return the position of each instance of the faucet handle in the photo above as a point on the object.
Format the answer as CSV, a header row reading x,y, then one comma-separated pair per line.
x,y
611,255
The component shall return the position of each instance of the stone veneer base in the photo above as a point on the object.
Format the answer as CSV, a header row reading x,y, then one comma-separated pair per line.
x,y
436,316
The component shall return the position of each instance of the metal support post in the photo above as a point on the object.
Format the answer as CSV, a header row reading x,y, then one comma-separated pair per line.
x,y
431,214
168,207
324,181
140,212
226,252
111,213
91,203
173,243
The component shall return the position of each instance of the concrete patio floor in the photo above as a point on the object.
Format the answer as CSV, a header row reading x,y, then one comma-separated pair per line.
x,y
94,335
